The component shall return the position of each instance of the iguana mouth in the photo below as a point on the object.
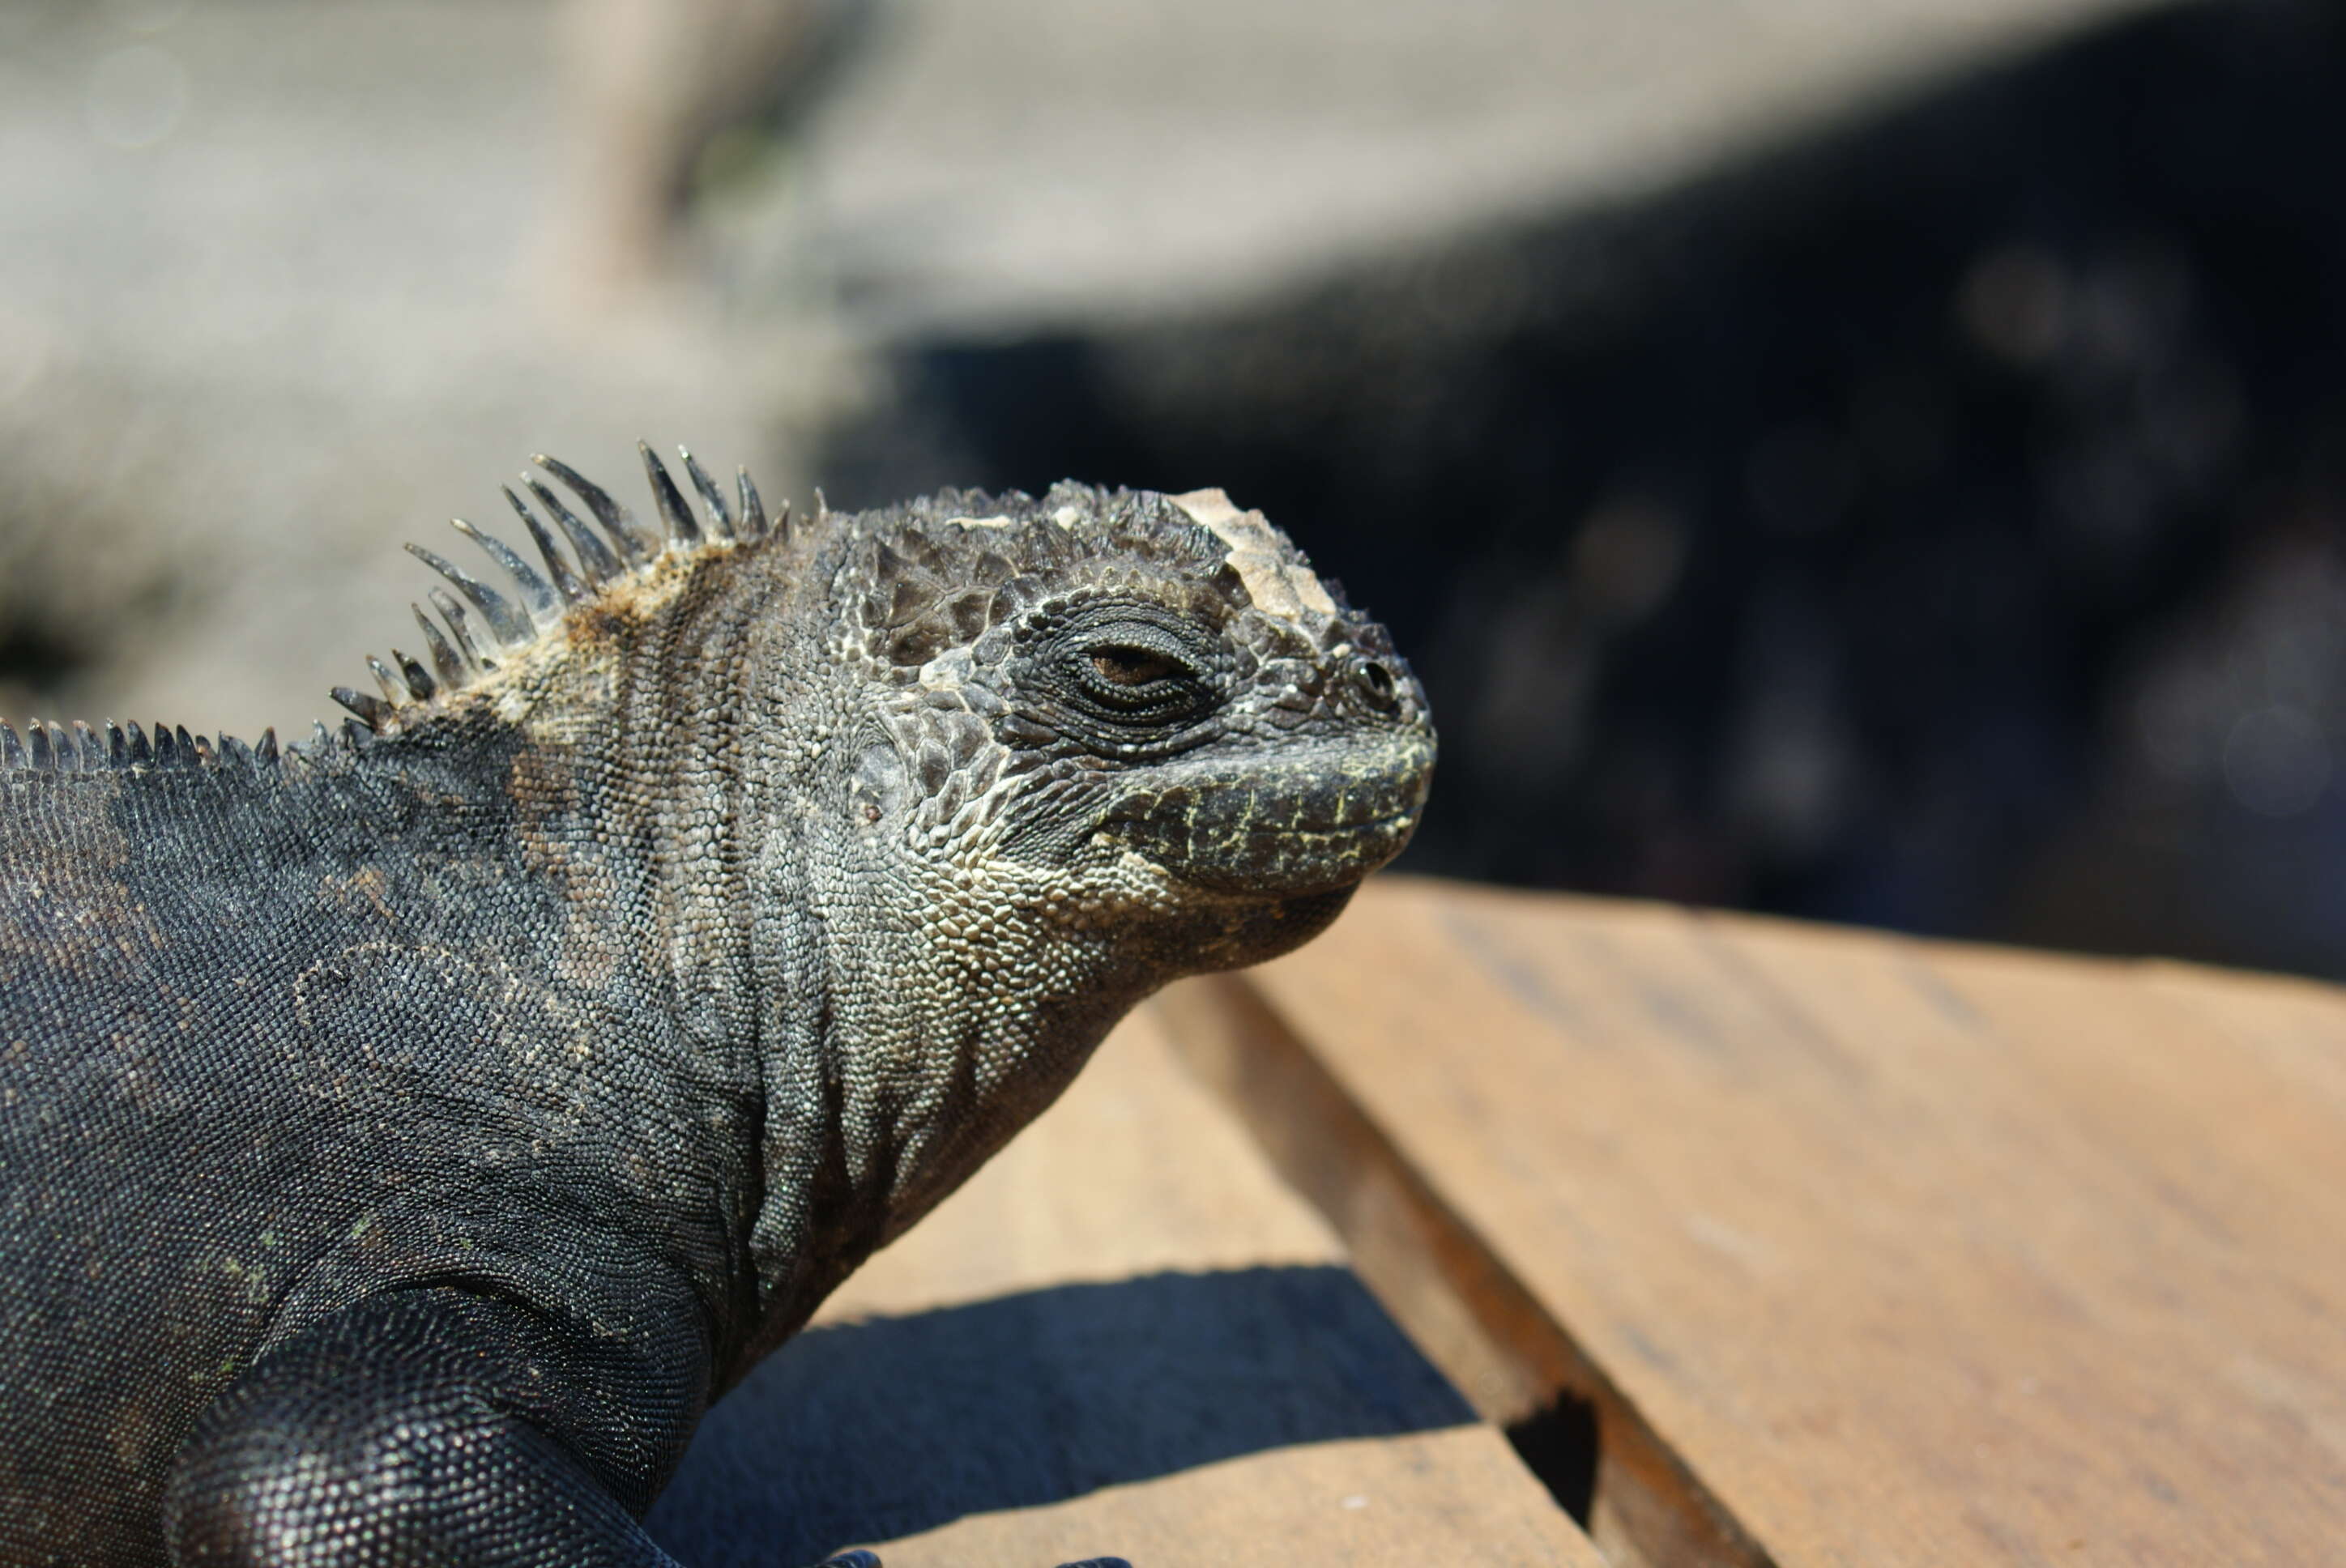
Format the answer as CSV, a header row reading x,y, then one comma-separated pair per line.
x,y
1283,831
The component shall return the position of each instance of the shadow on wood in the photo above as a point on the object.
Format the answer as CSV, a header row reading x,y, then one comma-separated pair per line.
x,y
872,1431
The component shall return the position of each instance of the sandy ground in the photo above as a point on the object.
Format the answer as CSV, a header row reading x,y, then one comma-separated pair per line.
x,y
242,361
1009,160
279,286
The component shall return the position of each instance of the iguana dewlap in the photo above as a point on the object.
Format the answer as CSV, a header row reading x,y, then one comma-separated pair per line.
x,y
403,1139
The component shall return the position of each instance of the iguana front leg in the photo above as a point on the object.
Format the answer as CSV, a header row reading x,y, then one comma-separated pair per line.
x,y
437,1425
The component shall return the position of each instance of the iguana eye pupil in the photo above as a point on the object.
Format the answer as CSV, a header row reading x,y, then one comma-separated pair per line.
x,y
1131,667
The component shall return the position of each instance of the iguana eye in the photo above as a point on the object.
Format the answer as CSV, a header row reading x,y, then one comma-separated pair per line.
x,y
1122,673
1135,673
1139,679
1122,665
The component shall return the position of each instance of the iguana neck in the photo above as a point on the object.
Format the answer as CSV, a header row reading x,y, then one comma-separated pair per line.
x,y
706,741
897,1064
613,748
896,1049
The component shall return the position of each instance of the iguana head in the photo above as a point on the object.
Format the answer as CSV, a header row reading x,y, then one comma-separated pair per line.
x,y
926,797
1125,714
1118,735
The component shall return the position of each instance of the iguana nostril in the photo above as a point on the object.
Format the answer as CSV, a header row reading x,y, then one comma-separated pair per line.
x,y
1374,682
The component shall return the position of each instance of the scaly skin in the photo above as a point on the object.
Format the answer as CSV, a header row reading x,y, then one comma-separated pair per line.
x,y
403,1140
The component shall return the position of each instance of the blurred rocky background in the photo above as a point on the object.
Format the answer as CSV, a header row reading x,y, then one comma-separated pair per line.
x,y
1880,462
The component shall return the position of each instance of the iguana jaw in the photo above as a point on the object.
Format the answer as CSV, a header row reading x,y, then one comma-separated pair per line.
x,y
1283,825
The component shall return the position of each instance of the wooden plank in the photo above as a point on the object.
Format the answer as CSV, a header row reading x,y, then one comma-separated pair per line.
x,y
1457,1299
1124,1336
1911,1254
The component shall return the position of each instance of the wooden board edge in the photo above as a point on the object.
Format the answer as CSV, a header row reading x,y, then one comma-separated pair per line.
x,y
1520,1368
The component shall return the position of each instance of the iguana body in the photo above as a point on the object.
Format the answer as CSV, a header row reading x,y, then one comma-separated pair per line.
x,y
402,1141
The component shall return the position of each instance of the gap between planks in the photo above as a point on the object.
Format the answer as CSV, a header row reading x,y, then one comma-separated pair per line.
x,y
1521,1369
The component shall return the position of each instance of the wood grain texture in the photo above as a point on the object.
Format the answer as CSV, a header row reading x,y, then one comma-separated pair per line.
x,y
1124,1336
1459,1302
1914,1254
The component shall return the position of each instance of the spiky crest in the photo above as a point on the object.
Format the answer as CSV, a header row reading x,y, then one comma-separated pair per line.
x,y
464,655
54,749
595,569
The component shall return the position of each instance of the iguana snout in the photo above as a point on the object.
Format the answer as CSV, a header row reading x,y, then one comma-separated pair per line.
x,y
1299,822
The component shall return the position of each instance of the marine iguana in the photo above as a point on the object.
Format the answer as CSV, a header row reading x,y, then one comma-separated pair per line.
x,y
404,1137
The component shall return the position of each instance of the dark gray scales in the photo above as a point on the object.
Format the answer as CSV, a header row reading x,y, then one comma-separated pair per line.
x,y
404,1137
